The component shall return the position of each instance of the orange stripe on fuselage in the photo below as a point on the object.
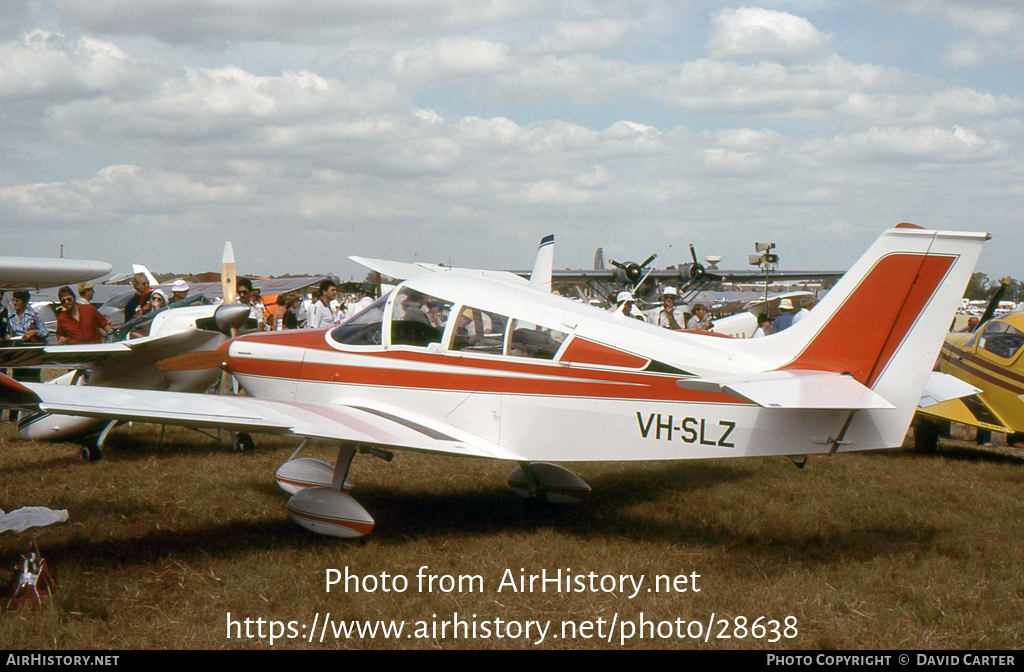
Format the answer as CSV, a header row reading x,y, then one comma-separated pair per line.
x,y
479,374
504,376
869,327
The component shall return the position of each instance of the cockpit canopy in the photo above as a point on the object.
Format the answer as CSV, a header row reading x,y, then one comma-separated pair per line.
x,y
412,318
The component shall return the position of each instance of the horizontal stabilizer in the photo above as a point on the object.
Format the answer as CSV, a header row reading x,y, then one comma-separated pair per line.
x,y
812,390
943,387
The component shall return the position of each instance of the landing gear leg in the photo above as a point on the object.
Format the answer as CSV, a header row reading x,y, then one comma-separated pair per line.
x,y
345,456
93,452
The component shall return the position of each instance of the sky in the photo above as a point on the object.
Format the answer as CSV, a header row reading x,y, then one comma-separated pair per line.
x,y
463,131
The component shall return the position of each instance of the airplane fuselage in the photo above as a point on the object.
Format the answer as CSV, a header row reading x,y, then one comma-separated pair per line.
x,y
540,384
991,360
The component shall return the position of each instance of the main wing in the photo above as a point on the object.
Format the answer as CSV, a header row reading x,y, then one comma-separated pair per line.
x,y
24,272
89,355
367,423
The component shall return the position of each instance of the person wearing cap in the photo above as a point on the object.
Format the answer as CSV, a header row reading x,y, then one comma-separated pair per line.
x,y
157,300
669,316
625,305
785,318
85,293
179,290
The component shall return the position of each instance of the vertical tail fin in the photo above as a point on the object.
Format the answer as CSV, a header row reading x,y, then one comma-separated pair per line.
x,y
139,268
540,277
885,320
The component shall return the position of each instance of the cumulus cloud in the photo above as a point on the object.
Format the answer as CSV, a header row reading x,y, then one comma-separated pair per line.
x,y
113,192
751,33
45,65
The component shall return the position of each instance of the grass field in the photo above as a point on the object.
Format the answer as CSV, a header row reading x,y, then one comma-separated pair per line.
x,y
889,549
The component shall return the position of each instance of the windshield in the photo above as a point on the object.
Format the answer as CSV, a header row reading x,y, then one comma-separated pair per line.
x,y
1001,339
364,327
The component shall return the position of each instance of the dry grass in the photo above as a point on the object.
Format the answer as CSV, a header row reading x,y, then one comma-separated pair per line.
x,y
881,550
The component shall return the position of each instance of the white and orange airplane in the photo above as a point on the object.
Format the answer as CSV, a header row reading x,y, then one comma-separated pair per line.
x,y
474,364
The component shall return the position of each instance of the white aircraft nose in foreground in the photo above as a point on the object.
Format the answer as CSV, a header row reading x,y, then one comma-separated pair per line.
x,y
475,364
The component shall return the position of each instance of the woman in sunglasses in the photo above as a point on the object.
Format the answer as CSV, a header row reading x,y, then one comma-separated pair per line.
x,y
79,322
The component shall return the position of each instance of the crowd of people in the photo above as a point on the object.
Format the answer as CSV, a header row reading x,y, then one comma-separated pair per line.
x,y
696,317
80,322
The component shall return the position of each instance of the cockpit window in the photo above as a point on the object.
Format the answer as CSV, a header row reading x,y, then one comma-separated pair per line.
x,y
418,319
1001,339
531,340
479,331
363,328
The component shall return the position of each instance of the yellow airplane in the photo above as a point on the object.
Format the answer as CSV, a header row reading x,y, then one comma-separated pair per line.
x,y
988,358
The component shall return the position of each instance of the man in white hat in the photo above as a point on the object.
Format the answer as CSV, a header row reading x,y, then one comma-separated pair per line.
x,y
669,316
626,306
179,290
785,318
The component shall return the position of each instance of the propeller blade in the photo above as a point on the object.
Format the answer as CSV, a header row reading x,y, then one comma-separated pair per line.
x,y
649,260
227,274
697,270
195,361
990,309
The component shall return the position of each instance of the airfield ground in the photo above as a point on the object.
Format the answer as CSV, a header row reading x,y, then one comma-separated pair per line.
x,y
889,550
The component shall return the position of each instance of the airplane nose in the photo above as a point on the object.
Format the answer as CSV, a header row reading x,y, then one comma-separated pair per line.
x,y
230,316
